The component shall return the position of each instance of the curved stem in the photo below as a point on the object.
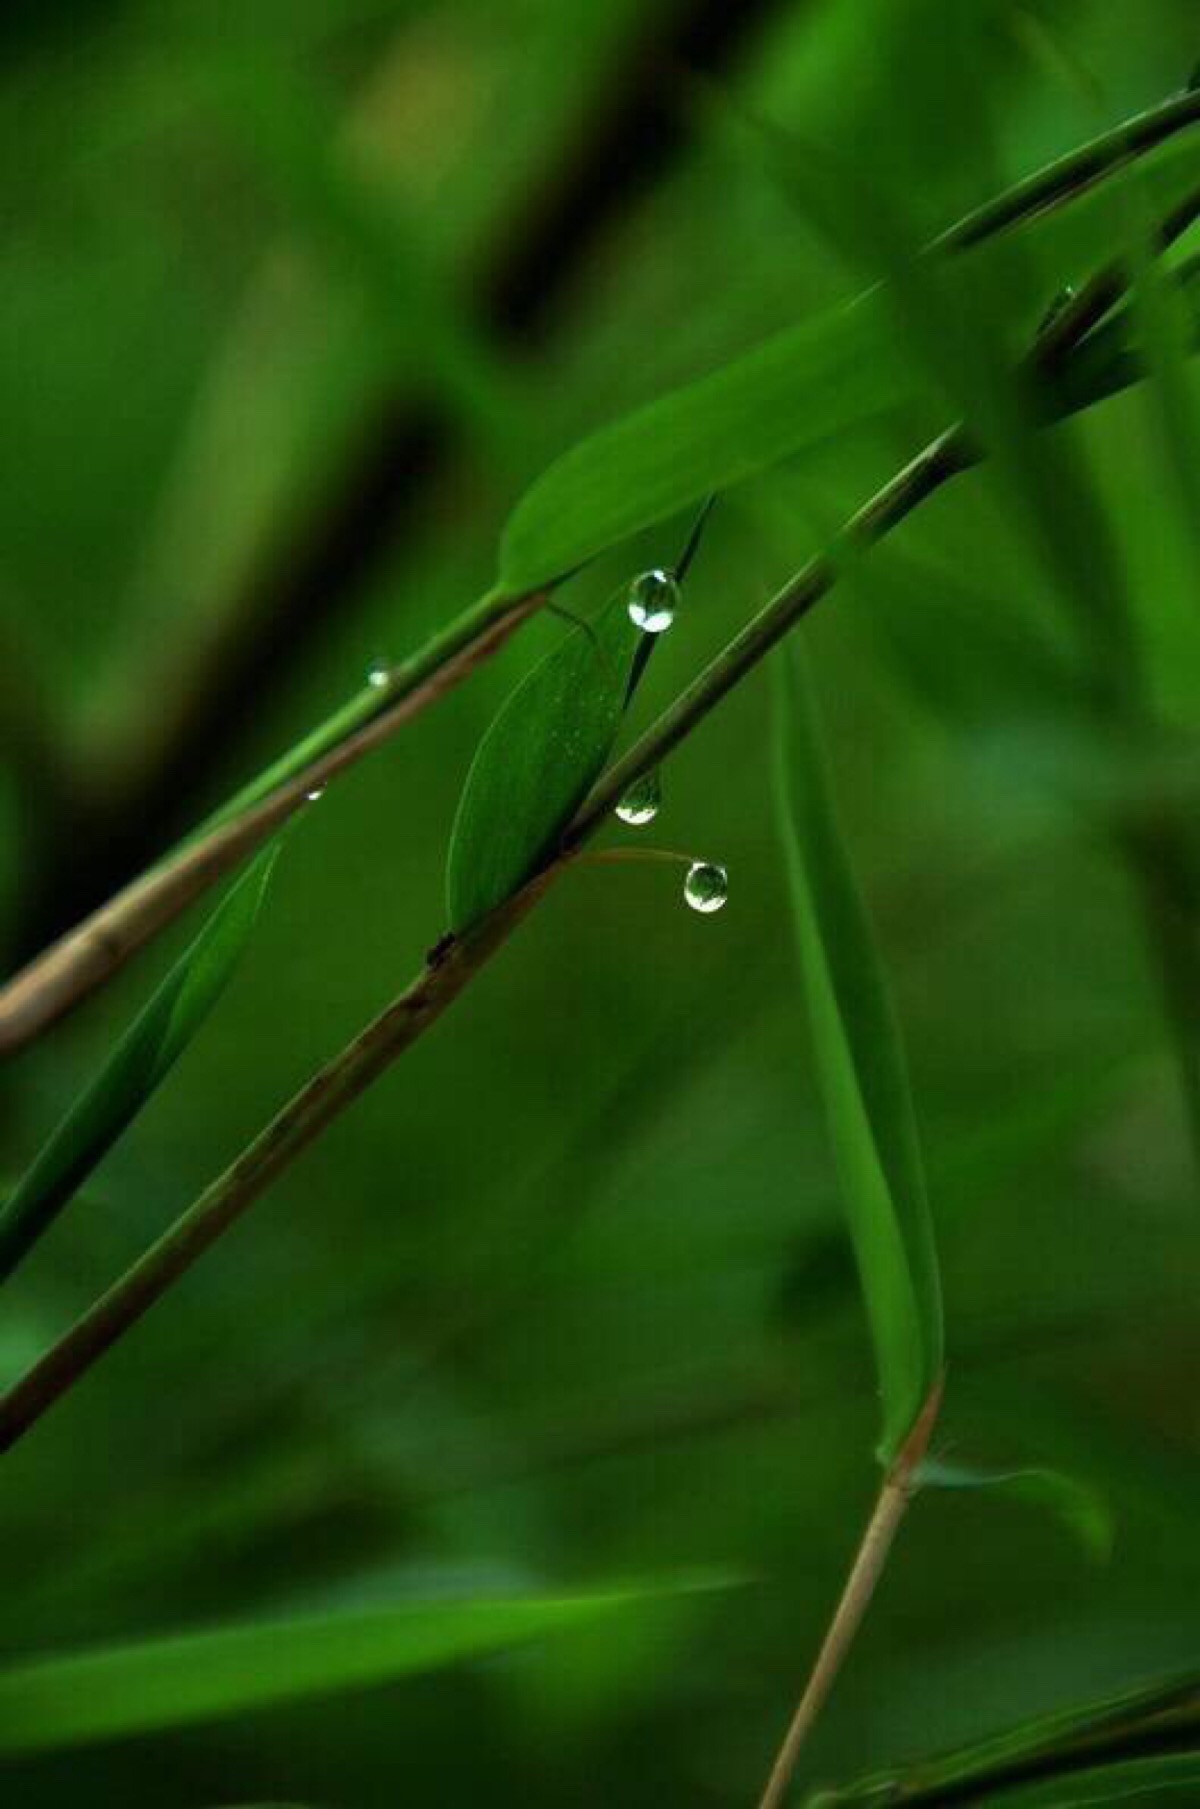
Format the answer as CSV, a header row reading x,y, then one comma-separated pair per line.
x,y
865,1573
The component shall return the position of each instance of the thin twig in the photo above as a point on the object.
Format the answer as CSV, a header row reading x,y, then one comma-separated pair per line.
x,y
454,961
865,1573
70,969
298,1124
73,967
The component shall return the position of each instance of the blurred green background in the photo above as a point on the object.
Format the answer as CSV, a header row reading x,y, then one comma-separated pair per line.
x,y
294,299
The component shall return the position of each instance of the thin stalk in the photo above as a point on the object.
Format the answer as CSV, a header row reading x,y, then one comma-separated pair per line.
x,y
65,973
325,1097
455,959
894,1497
57,980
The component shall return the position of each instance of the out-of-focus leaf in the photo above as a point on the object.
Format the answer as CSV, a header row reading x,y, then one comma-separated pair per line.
x,y
1134,1781
1068,1735
795,391
860,1059
137,1066
536,763
1081,1508
180,1680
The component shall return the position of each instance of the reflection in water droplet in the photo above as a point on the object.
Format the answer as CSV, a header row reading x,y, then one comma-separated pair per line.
x,y
653,600
378,674
706,887
640,803
318,791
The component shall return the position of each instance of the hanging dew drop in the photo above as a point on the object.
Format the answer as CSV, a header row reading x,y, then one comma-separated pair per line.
x,y
640,803
706,887
318,791
653,600
378,674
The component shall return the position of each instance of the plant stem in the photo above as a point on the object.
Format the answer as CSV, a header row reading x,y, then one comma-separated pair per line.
x,y
330,1091
64,974
894,1497
57,980
1070,175
351,1072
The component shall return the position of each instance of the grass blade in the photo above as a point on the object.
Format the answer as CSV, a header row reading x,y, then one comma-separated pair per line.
x,y
860,1060
1081,1508
137,1066
179,1680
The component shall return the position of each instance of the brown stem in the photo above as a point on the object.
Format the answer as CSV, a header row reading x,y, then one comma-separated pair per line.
x,y
70,969
299,1123
865,1573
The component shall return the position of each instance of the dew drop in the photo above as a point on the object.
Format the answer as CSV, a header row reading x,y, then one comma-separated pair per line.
x,y
706,887
378,674
653,600
318,791
640,803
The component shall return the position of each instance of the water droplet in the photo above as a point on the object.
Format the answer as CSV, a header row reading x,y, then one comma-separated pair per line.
x,y
706,887
640,803
378,674
318,791
653,600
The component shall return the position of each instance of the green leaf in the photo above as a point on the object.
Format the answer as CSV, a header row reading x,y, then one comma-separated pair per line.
x,y
137,1066
536,763
1066,1737
182,1679
1134,1781
1081,1508
794,392
860,1061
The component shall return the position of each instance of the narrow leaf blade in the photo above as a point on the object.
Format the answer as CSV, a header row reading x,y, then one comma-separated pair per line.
x,y
137,1066
178,1681
863,1074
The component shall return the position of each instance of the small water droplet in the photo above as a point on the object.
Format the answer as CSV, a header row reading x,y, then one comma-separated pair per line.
x,y
653,600
640,803
378,674
318,791
706,887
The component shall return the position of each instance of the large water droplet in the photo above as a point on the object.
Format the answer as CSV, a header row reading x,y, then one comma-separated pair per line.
x,y
378,674
653,600
640,803
706,887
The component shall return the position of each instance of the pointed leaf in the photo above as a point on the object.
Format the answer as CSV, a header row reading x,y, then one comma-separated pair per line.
x,y
1081,1508
863,1074
176,1681
537,762
1069,1736
137,1066
1134,1781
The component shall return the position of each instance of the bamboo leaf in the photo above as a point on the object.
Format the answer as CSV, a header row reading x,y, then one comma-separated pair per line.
x,y
794,392
863,1074
1081,1508
537,761
1135,1781
179,1680
135,1069
1069,1736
